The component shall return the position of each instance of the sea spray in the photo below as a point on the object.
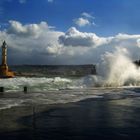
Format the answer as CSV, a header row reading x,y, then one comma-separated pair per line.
x,y
117,69
35,84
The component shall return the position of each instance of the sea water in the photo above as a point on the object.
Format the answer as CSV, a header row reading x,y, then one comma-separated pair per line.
x,y
58,90
87,112
116,75
112,113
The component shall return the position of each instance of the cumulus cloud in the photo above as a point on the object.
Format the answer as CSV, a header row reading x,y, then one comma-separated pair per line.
x,y
138,42
73,37
39,43
82,22
87,15
91,47
86,19
33,30
35,42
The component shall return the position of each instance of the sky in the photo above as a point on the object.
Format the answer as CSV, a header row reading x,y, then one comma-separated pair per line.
x,y
68,31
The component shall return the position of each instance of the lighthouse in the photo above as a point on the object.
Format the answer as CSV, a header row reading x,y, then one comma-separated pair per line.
x,y
4,54
4,70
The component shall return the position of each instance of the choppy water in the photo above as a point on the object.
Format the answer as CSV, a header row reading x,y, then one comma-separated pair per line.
x,y
113,112
117,76
109,113
58,90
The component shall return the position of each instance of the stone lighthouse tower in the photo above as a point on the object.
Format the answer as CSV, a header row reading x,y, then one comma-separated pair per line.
x,y
4,70
4,55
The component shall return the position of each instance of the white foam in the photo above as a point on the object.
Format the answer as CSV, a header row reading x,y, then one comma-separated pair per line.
x,y
61,96
36,84
9,103
117,71
52,97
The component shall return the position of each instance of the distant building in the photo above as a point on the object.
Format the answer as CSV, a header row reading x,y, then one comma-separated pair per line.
x,y
4,70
